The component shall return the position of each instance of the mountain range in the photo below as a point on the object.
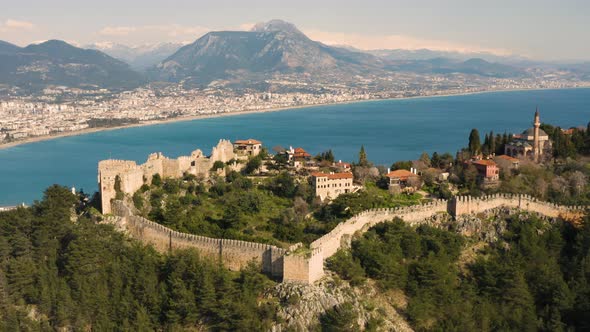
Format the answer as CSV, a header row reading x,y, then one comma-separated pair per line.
x,y
55,62
275,49
139,57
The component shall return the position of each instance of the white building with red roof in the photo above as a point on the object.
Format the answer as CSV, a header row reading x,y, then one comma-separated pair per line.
x,y
402,180
331,185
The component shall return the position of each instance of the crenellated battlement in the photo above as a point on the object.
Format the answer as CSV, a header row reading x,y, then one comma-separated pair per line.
x,y
235,254
329,244
308,267
469,205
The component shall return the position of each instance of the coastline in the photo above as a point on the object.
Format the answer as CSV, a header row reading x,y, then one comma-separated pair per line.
x,y
38,139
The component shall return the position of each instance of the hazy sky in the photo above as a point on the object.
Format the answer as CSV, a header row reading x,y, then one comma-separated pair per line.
x,y
541,29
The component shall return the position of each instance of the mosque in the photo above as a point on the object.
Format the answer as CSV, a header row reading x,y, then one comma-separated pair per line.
x,y
533,143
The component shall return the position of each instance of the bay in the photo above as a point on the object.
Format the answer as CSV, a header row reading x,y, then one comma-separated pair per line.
x,y
390,130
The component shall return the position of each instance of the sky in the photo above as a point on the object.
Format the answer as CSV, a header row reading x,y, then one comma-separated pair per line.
x,y
540,29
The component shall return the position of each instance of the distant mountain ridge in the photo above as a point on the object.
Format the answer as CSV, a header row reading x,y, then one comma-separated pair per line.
x,y
473,66
139,57
427,54
56,62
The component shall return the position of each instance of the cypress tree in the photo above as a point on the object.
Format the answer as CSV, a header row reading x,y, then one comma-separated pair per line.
x,y
474,142
499,144
492,142
363,157
505,138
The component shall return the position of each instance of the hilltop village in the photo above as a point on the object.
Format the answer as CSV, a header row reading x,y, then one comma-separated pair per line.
x,y
267,207
330,178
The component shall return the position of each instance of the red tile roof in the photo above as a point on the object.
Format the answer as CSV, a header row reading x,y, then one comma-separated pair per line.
x,y
486,162
300,153
505,157
249,141
401,174
345,175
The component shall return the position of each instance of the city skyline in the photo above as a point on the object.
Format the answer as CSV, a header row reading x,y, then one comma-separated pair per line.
x,y
544,31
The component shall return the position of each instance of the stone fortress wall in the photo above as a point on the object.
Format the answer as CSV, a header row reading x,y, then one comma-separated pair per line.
x,y
133,176
234,254
328,245
288,265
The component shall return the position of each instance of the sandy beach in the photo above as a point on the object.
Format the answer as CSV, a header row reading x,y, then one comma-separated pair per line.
x,y
218,115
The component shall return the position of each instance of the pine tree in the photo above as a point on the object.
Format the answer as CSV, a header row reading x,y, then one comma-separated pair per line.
x,y
206,294
330,156
425,158
435,160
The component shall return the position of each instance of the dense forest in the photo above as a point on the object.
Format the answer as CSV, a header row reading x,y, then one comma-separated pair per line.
x,y
60,270
534,278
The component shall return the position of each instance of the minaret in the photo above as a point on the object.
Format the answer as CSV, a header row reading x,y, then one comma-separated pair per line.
x,y
536,147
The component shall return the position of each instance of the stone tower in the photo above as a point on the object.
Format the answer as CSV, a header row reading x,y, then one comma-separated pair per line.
x,y
536,145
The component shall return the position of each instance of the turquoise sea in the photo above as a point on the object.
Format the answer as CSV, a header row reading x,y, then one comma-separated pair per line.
x,y
390,130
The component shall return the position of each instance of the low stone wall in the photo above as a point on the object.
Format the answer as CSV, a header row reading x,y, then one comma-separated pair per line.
x,y
234,254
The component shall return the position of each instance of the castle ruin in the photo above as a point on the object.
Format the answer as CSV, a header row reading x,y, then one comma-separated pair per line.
x,y
132,176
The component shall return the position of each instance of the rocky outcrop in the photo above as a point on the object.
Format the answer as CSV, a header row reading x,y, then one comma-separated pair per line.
x,y
302,305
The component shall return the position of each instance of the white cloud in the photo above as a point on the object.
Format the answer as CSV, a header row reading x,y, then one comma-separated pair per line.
x,y
136,35
373,42
246,26
117,31
14,25
167,30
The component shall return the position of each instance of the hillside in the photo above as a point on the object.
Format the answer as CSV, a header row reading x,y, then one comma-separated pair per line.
x,y
55,62
56,274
